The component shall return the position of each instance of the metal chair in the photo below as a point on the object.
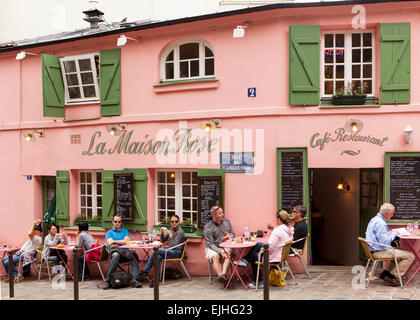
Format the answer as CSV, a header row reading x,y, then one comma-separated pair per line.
x,y
21,265
299,252
103,257
368,254
279,265
175,259
43,262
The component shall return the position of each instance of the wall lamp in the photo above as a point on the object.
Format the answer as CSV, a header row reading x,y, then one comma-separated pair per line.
x,y
21,55
122,40
353,125
114,129
30,135
408,132
209,125
239,31
342,185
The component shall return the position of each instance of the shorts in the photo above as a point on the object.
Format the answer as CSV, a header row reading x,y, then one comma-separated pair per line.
x,y
211,253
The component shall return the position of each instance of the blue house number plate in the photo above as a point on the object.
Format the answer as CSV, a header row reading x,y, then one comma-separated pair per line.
x,y
252,92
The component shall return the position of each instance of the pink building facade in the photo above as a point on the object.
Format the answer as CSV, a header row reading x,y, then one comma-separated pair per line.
x,y
271,94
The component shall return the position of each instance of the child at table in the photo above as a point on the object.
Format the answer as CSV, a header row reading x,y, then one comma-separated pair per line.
x,y
52,239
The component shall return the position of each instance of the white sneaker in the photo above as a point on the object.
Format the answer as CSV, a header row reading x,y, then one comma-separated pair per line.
x,y
253,286
242,262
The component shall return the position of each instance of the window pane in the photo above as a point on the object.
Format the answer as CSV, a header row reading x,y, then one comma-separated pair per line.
x,y
89,189
329,41
83,189
89,91
74,92
195,201
194,178
162,215
171,190
367,55
84,65
99,189
186,177
368,87
170,177
367,39
339,40
194,191
83,201
355,71
99,201
87,78
329,58
339,58
194,68
69,66
186,191
356,55
339,72
169,70
171,203
89,212
208,52
355,39
329,72
188,51
89,177
161,190
89,201
170,56
183,69
367,71
98,177
161,177
186,204
355,84
161,203
72,79
329,87
339,85
99,212
209,67
82,177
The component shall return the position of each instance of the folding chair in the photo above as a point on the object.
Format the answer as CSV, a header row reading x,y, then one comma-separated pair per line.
x,y
175,259
279,265
299,252
43,262
103,257
28,257
368,254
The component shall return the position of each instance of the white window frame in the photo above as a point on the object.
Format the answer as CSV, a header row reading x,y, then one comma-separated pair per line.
x,y
178,194
201,60
347,59
82,99
94,192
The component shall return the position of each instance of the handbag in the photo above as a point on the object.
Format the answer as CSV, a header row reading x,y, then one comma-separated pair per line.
x,y
120,279
275,278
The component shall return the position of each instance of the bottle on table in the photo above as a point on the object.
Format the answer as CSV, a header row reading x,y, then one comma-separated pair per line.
x,y
416,226
246,234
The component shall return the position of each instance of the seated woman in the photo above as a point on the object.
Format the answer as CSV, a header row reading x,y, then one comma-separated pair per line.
x,y
52,239
176,236
280,235
86,242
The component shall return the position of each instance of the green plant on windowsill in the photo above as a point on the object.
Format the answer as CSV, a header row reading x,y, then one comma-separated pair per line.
x,y
187,226
92,221
351,94
165,223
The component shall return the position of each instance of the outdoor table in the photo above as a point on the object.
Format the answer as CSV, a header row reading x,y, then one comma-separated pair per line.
x,y
7,249
411,241
241,246
66,248
146,247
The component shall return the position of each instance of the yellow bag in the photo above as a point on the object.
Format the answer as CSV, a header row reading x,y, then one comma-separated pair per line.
x,y
275,278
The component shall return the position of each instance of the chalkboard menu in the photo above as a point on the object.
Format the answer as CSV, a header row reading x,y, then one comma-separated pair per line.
x,y
124,195
209,194
404,186
291,180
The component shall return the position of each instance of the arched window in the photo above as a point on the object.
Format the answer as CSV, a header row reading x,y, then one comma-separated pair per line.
x,y
189,59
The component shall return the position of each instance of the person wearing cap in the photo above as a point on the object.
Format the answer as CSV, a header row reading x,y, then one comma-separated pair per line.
x,y
27,252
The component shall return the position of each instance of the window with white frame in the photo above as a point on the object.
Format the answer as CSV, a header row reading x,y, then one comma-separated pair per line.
x,y
176,193
348,62
187,60
90,190
80,78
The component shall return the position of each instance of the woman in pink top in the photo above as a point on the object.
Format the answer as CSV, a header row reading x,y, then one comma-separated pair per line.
x,y
280,235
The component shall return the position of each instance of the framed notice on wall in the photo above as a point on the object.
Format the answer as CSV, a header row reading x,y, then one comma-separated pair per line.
x,y
209,195
402,184
291,180
124,195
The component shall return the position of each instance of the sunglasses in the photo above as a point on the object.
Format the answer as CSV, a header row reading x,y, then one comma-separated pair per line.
x,y
116,221
174,221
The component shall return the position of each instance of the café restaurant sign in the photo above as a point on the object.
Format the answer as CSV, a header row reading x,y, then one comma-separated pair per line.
x,y
181,141
341,135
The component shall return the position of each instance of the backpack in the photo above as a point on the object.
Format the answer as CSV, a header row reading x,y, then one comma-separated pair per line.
x,y
120,279
94,255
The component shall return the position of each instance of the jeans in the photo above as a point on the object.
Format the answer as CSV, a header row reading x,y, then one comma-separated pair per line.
x,y
251,257
16,260
161,254
115,260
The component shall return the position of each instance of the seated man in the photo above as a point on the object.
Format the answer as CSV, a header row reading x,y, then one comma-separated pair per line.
x,y
114,238
377,231
175,236
26,253
215,232
300,228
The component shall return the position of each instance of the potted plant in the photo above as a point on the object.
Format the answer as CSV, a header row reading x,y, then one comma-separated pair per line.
x,y
187,226
165,223
94,221
350,95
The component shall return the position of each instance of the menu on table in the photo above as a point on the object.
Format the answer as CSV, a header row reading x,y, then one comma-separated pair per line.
x,y
209,195
124,195
404,186
291,180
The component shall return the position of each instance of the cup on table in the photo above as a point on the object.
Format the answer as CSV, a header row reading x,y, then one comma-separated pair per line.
x,y
232,237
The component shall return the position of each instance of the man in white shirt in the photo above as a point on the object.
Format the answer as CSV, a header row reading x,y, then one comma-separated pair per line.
x,y
26,253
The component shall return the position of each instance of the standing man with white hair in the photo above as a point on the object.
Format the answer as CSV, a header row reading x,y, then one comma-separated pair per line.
x,y
377,231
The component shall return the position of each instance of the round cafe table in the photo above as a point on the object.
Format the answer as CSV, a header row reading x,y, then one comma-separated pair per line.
x,y
413,243
69,248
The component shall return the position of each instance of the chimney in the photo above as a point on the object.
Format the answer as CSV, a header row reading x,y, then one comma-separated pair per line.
x,y
93,15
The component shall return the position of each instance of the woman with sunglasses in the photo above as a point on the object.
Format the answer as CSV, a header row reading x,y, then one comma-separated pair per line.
x,y
174,236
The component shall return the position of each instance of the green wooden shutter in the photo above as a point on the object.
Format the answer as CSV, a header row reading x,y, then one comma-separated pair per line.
x,y
215,173
110,82
62,197
395,63
304,62
140,199
52,86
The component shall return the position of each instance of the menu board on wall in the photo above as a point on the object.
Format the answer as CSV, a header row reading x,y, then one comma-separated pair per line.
x,y
404,186
124,195
209,195
291,180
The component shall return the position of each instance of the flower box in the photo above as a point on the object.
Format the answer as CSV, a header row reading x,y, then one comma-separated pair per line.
x,y
349,100
188,228
93,223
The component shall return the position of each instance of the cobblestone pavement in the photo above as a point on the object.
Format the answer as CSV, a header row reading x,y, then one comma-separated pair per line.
x,y
328,283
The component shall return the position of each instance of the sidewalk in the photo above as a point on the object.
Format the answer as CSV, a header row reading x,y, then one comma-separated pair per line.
x,y
328,283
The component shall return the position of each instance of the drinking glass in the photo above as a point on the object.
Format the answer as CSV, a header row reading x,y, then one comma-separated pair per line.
x,y
232,237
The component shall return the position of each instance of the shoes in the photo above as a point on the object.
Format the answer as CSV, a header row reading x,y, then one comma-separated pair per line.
x,y
383,275
222,279
106,285
252,285
6,280
152,284
242,262
136,284
18,278
391,281
142,275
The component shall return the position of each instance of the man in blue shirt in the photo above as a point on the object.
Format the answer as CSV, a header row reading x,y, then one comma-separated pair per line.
x,y
377,231
115,238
